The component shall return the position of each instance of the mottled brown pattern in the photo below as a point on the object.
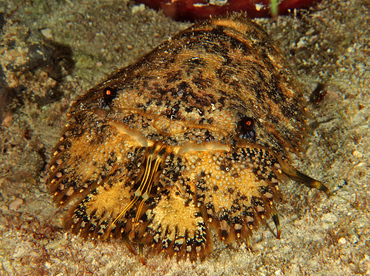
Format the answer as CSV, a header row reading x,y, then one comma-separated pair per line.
x,y
159,153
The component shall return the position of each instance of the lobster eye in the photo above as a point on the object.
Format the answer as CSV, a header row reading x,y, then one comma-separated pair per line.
x,y
247,124
247,128
109,94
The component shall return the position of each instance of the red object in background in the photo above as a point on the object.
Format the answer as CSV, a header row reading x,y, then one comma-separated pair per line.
x,y
192,10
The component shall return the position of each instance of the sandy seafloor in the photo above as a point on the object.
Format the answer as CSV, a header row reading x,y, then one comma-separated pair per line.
x,y
320,236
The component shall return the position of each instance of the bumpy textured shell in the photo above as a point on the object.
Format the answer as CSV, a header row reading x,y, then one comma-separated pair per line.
x,y
158,154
